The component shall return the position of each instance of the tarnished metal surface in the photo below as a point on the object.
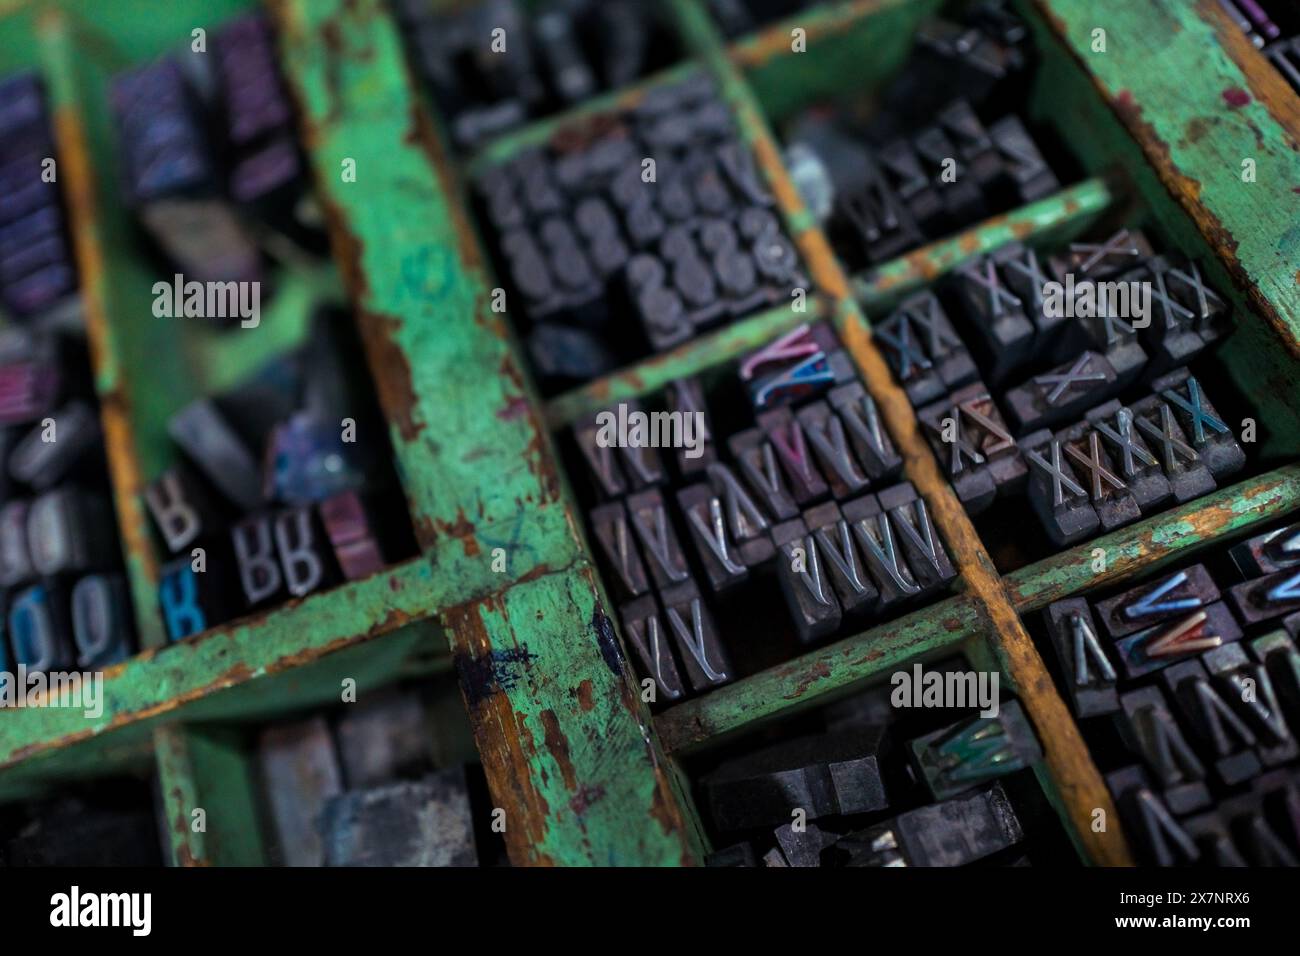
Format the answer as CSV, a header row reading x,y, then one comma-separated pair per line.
x,y
817,676
1158,540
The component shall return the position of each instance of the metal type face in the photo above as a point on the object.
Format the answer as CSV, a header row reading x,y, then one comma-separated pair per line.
x,y
885,561
179,595
101,620
1090,676
1156,647
976,751
1268,553
762,473
1151,732
1133,460
913,529
1224,737
713,542
175,510
1187,474
302,560
830,444
644,628
808,594
870,440
788,440
348,528
1062,504
614,535
1167,597
1269,597
839,557
1118,253
686,395
255,559
1146,813
698,643
658,541
602,463
38,628
1249,688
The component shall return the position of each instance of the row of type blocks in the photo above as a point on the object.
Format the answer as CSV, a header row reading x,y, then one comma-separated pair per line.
x,y
1211,712
809,496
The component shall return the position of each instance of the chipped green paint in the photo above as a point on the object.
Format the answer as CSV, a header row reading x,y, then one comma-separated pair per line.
x,y
473,455
570,751
166,682
1162,120
563,734
210,770
565,742
1168,74
1157,541
691,358
819,676
1058,218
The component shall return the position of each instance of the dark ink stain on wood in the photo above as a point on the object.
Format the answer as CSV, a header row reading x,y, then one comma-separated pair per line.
x,y
485,675
608,642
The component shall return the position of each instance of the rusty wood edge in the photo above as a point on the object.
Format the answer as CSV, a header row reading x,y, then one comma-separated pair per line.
x,y
438,538
818,676
1266,83
765,44
461,617
690,358
295,617
538,131
1158,540
80,193
509,755
1066,756
1278,100
177,792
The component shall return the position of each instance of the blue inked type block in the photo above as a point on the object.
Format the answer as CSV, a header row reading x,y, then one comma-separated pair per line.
x,y
180,592
38,628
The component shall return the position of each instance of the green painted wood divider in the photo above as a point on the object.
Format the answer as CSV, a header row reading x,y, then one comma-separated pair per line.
x,y
564,738
583,773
